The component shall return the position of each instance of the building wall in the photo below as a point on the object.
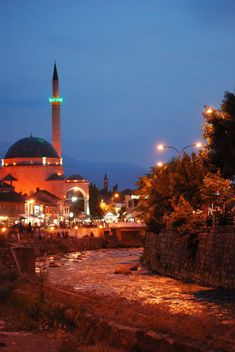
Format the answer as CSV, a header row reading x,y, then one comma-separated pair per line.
x,y
11,209
208,259
31,177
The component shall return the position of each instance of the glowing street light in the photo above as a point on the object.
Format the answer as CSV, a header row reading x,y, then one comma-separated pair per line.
x,y
180,152
198,145
160,164
209,110
160,147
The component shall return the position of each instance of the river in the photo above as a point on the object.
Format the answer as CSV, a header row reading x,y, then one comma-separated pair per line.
x,y
94,271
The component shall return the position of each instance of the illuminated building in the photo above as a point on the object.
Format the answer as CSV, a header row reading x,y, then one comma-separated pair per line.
x,y
12,204
33,164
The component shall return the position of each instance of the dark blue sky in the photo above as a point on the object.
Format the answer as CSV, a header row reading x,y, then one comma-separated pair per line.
x,y
132,73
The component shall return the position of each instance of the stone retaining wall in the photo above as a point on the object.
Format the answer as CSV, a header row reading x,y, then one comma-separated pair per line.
x,y
47,247
208,259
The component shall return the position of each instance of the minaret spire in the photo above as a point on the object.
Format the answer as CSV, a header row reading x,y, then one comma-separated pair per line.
x,y
106,184
55,75
55,104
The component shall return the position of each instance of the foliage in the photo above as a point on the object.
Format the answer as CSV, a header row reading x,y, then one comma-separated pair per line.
x,y
219,131
95,199
107,207
171,195
215,189
164,186
182,219
36,313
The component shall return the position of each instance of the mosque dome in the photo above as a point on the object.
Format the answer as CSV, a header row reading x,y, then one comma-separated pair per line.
x,y
31,147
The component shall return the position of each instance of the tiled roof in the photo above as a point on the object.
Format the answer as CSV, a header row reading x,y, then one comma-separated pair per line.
x,y
9,177
11,196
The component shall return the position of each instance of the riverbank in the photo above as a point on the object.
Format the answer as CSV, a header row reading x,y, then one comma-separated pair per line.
x,y
131,311
141,311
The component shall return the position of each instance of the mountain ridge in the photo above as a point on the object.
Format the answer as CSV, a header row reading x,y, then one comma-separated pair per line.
x,y
121,173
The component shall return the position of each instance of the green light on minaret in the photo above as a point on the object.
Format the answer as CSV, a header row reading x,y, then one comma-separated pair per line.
x,y
56,100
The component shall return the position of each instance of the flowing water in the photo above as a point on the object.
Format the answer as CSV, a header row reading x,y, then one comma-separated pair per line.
x,y
94,271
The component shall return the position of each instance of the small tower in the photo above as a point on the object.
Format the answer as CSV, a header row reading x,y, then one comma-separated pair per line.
x,y
55,101
106,184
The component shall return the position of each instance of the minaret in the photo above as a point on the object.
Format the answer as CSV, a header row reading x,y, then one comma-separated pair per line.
x,y
55,103
106,184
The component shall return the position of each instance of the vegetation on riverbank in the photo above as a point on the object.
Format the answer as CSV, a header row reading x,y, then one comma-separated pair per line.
x,y
177,195
24,307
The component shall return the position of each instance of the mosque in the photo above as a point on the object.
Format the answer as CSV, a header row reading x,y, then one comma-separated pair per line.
x,y
34,167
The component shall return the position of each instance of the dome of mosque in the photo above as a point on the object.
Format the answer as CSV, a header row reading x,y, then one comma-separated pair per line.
x,y
31,147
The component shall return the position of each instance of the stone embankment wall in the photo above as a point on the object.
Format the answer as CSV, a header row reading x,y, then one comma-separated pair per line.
x,y
21,257
48,247
208,258
53,246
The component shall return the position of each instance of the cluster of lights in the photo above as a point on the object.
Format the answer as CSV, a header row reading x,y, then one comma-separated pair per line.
x,y
56,100
71,181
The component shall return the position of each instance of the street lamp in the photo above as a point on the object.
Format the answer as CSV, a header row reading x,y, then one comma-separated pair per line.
x,y
209,110
159,163
179,152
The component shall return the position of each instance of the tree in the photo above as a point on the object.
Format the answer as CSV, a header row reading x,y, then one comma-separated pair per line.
x,y
162,186
95,200
216,189
183,219
219,131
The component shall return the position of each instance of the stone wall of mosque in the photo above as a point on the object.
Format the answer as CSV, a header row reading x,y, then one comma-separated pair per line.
x,y
208,258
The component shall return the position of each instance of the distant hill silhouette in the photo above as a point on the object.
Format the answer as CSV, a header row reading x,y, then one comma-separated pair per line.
x,y
123,174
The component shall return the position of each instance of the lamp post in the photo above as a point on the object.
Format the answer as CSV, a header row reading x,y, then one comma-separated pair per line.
x,y
179,152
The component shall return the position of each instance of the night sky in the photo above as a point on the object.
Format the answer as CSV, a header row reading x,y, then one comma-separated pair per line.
x,y
132,73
